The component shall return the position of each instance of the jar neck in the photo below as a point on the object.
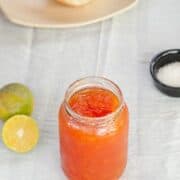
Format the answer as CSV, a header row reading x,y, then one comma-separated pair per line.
x,y
91,82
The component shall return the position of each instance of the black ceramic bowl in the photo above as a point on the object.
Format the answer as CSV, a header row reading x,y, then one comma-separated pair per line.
x,y
162,59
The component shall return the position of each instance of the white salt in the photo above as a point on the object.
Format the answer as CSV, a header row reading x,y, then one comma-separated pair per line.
x,y
170,74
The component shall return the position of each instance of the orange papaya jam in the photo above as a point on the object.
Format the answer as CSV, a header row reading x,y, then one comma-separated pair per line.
x,y
94,102
93,124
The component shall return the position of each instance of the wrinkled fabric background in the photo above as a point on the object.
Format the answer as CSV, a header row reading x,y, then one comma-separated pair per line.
x,y
119,49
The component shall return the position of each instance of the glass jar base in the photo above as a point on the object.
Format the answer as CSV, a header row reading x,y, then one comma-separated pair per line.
x,y
71,177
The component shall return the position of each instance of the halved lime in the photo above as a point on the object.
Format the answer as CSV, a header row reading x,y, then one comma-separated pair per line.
x,y
20,133
15,99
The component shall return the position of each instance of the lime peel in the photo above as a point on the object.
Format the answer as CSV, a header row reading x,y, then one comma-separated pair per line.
x,y
15,98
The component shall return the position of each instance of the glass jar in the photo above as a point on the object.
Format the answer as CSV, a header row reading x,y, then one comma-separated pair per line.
x,y
93,148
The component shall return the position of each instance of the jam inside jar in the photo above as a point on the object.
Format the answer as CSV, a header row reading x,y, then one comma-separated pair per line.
x,y
93,129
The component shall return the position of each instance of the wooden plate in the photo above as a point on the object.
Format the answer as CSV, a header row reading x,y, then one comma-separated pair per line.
x,y
51,14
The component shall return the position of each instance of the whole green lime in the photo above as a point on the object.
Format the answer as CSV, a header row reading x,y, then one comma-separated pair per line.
x,y
15,99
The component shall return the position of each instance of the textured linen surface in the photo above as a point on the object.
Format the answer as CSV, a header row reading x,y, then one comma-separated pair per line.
x,y
119,49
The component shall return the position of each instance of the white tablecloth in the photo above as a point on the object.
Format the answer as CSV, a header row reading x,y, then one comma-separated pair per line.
x,y
119,49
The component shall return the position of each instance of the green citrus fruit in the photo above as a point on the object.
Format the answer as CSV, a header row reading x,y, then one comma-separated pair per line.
x,y
15,99
20,133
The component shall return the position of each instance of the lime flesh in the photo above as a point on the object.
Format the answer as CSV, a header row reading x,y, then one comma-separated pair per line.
x,y
20,133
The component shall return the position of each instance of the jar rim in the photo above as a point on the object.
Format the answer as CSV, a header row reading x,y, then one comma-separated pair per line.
x,y
93,120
